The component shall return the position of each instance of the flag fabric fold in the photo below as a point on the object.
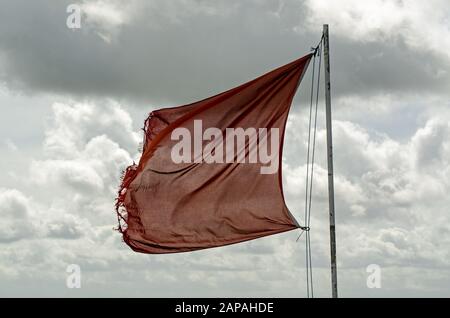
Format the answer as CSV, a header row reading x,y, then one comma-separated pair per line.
x,y
210,172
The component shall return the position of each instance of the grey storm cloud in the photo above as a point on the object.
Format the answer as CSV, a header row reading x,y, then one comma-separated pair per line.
x,y
188,50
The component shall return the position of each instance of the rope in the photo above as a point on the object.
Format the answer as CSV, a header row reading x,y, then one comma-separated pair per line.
x,y
312,169
310,173
308,283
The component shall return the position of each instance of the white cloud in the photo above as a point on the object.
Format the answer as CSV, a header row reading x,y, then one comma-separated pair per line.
x,y
23,218
16,216
104,12
390,195
380,199
107,17
423,25
11,145
75,124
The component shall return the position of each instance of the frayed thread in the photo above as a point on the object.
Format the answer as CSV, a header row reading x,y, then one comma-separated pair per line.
x,y
128,175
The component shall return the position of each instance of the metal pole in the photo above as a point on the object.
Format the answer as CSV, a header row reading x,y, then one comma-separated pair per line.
x,y
326,50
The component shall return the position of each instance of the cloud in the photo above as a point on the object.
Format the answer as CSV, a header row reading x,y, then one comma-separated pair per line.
x,y
86,148
80,172
104,13
389,194
179,51
390,99
76,124
15,214
421,25
25,219
106,18
380,204
67,226
11,145
81,169
74,184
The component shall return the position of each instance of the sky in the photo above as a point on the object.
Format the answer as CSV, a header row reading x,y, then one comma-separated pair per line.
x,y
73,102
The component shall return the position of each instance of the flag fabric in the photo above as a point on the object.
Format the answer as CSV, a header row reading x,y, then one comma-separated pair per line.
x,y
210,171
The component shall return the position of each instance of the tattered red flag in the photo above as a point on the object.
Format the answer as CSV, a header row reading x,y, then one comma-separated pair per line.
x,y
210,171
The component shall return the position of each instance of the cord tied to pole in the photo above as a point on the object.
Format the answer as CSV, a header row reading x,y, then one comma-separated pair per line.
x,y
304,229
312,129
316,49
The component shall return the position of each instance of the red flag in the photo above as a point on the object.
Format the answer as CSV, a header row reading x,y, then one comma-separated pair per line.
x,y
210,171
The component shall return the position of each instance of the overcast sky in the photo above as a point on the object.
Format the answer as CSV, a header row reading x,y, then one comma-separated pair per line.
x,y
73,102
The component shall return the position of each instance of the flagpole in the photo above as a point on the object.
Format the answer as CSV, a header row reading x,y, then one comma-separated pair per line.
x,y
326,50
